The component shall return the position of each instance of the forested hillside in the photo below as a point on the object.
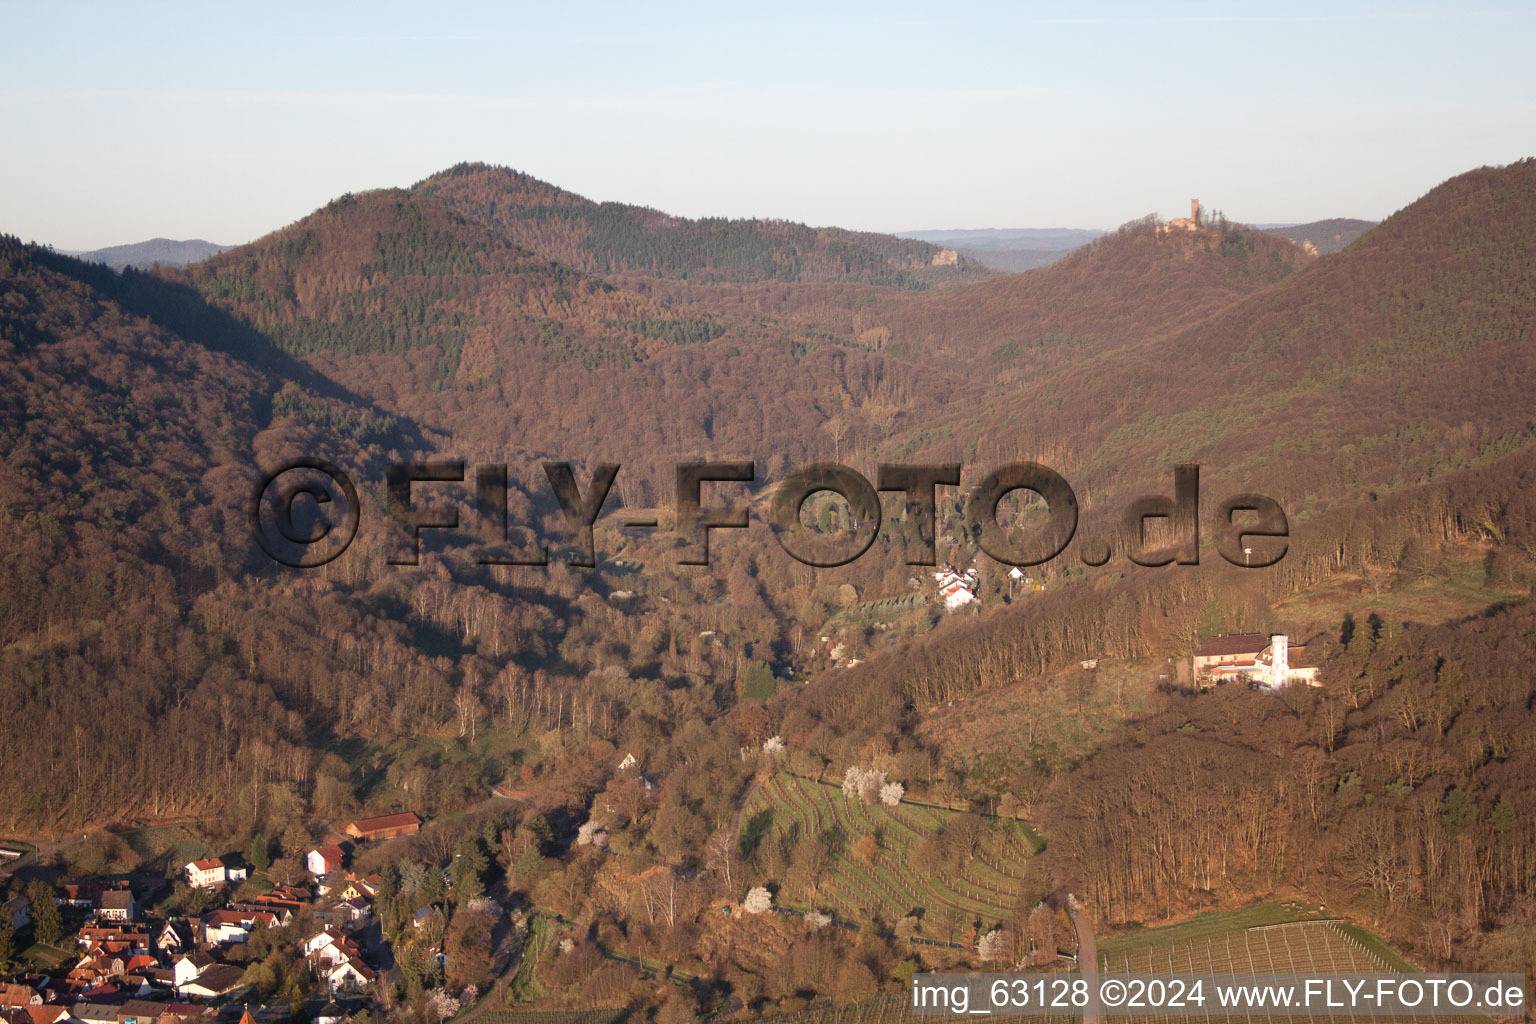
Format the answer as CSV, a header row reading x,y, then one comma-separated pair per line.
x,y
613,237
154,664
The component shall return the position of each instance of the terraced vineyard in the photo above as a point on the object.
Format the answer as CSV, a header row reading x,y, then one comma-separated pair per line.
x,y
1312,947
895,1009
986,888
1300,947
618,1016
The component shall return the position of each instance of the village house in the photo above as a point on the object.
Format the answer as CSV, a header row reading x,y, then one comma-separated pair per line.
x,y
351,976
96,1013
134,1011
128,934
389,826
352,911
215,982
174,937
331,946
33,1013
359,888
19,911
82,894
269,915
222,927
36,1013
13,996
324,860
337,959
1268,660
186,969
117,905
956,589
211,873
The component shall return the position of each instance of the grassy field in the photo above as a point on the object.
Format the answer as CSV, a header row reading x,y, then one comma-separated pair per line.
x,y
1457,588
1056,721
524,987
986,888
46,957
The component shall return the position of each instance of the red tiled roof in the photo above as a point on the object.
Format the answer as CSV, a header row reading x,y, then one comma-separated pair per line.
x,y
207,865
401,820
1237,643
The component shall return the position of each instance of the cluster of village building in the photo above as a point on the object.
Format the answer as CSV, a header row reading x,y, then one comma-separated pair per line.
x,y
136,968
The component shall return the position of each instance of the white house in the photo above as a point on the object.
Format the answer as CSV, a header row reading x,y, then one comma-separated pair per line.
x,y
202,874
329,947
323,860
186,969
19,911
353,910
216,981
173,938
956,595
118,905
349,975
1269,660
956,589
225,926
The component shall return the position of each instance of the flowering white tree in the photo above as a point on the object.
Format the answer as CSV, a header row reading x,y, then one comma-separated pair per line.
x,y
591,834
758,900
441,1005
773,745
870,785
816,919
992,946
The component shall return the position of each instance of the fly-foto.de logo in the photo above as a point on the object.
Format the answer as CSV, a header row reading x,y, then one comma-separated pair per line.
x,y
306,513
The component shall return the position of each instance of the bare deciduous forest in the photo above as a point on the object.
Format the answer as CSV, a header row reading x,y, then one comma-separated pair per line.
x,y
668,739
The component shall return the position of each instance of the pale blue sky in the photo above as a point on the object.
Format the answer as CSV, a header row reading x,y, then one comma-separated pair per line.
x,y
124,121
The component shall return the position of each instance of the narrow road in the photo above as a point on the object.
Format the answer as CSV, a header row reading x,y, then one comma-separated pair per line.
x,y
741,807
1087,952
506,949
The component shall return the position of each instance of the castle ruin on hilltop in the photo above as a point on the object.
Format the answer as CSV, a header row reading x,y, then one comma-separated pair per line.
x,y
1190,223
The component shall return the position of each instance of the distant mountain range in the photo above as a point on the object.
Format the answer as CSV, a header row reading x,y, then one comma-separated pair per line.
x,y
1012,250
168,252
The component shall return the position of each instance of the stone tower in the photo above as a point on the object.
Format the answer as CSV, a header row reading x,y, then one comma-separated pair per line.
x,y
1280,660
